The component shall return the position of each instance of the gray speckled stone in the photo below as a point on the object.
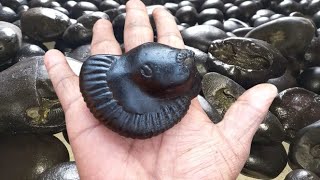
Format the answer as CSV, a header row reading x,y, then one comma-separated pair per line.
x,y
44,24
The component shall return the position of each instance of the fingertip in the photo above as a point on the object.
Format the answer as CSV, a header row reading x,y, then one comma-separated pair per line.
x,y
52,56
263,92
161,11
134,2
101,24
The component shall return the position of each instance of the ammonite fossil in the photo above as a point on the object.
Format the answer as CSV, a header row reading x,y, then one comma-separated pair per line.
x,y
143,92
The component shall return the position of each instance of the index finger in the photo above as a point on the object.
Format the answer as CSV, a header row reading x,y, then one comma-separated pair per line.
x,y
167,29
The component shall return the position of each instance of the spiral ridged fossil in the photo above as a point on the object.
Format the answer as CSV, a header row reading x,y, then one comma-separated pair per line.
x,y
143,92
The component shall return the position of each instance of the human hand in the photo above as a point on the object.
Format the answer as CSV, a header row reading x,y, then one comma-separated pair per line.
x,y
195,148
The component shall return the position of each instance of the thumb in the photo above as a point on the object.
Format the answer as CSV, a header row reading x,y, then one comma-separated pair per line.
x,y
243,118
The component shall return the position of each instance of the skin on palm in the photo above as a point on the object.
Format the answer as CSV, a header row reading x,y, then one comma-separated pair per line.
x,y
195,148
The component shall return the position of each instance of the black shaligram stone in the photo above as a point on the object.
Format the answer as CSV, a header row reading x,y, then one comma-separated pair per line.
x,y
143,92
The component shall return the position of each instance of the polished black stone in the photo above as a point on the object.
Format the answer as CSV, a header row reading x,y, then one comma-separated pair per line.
x,y
62,171
187,14
265,161
304,151
301,174
201,36
291,35
26,156
296,108
7,14
310,79
10,41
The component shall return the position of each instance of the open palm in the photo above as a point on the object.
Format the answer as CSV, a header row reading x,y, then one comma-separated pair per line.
x,y
195,148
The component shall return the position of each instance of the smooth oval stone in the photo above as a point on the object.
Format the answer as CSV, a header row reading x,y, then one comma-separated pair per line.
x,y
260,21
10,41
54,4
88,20
312,54
265,161
63,46
286,81
122,8
187,14
26,156
63,10
246,61
301,174
254,17
265,13
310,79
95,2
201,36
296,108
221,92
27,51
29,41
185,3
226,6
297,14
233,24
172,7
40,3
241,32
7,14
234,12
209,14
108,4
240,22
211,111
304,151
22,9
316,19
69,4
288,6
196,3
215,23
248,9
276,16
313,7
14,4
77,34
291,35
44,24
29,103
213,4
200,59
82,6
112,13
118,27
62,171
269,131
81,53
